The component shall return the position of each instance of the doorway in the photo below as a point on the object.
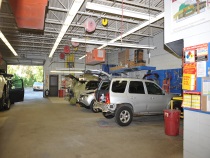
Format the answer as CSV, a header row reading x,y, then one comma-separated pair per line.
x,y
53,87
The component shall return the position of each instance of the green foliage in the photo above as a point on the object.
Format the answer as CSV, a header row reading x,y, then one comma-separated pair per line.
x,y
29,74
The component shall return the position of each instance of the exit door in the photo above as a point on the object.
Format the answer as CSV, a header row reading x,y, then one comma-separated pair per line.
x,y
53,87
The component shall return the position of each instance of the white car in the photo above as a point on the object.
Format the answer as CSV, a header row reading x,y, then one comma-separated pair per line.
x,y
38,86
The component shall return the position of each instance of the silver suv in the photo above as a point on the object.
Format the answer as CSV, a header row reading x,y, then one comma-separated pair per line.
x,y
128,97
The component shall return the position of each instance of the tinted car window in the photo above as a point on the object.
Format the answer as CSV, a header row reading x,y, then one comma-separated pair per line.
x,y
91,85
105,85
153,88
136,87
119,86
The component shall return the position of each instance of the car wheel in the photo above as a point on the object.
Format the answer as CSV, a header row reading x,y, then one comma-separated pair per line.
x,y
7,104
108,116
2,100
124,116
95,110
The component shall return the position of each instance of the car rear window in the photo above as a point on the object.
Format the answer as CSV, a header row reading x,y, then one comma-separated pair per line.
x,y
119,86
91,85
105,85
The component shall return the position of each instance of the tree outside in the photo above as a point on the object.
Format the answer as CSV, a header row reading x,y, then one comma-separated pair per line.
x,y
29,74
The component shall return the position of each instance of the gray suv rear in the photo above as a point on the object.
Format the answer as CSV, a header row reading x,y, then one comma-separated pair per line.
x,y
128,97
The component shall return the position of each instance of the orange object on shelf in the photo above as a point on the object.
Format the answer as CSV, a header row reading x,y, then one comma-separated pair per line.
x,y
95,57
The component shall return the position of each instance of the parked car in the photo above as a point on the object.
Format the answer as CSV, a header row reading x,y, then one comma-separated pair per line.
x,y
88,98
38,86
11,91
81,89
127,97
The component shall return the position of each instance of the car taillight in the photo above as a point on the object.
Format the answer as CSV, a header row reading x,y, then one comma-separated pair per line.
x,y
107,98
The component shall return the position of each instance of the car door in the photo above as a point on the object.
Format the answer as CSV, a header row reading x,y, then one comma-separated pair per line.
x,y
136,96
156,101
16,91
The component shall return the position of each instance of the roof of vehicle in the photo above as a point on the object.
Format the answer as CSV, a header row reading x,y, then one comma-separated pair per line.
x,y
131,79
39,83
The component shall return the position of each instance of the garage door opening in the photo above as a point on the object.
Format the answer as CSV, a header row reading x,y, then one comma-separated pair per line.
x,y
32,77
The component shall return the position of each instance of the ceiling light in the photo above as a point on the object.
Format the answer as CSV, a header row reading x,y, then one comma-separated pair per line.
x,y
70,16
82,56
117,44
152,20
7,43
117,11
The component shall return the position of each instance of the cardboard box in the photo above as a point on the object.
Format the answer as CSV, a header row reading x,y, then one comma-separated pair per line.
x,y
95,57
123,57
133,64
138,56
205,103
116,68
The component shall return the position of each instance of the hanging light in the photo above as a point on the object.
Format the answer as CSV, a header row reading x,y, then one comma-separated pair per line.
x,y
66,49
90,25
75,44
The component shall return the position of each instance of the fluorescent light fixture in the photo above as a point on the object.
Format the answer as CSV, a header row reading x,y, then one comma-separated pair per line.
x,y
65,72
7,43
158,17
117,11
82,56
70,16
117,44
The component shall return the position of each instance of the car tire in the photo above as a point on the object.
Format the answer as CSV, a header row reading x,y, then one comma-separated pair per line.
x,y
7,104
2,100
108,116
124,116
95,110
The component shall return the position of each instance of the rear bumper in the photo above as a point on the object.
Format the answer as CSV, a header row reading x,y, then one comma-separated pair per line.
x,y
105,107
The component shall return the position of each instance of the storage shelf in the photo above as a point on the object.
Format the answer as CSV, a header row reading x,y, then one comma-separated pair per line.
x,y
136,68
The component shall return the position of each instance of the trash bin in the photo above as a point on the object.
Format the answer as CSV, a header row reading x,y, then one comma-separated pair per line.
x,y
60,93
172,121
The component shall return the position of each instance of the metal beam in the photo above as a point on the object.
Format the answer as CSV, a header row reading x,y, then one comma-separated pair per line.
x,y
140,5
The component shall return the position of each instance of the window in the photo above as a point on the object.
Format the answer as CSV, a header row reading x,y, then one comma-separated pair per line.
x,y
152,88
105,85
136,87
91,85
119,86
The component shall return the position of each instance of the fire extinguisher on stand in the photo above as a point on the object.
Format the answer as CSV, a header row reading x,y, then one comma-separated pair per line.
x,y
46,92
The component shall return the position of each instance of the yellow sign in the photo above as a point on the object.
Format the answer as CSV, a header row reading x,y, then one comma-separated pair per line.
x,y
191,101
188,82
196,101
187,100
69,61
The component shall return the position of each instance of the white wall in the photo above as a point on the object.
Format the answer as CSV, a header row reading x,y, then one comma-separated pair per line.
x,y
159,57
194,30
196,134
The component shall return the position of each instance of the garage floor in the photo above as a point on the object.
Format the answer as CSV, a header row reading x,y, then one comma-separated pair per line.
x,y
51,128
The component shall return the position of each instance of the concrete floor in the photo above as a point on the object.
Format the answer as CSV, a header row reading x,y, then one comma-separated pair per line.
x,y
51,128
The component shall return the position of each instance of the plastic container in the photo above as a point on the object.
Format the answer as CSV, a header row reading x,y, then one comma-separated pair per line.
x,y
172,122
60,93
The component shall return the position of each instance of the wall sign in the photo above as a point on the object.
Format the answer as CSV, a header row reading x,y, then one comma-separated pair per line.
x,y
189,76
